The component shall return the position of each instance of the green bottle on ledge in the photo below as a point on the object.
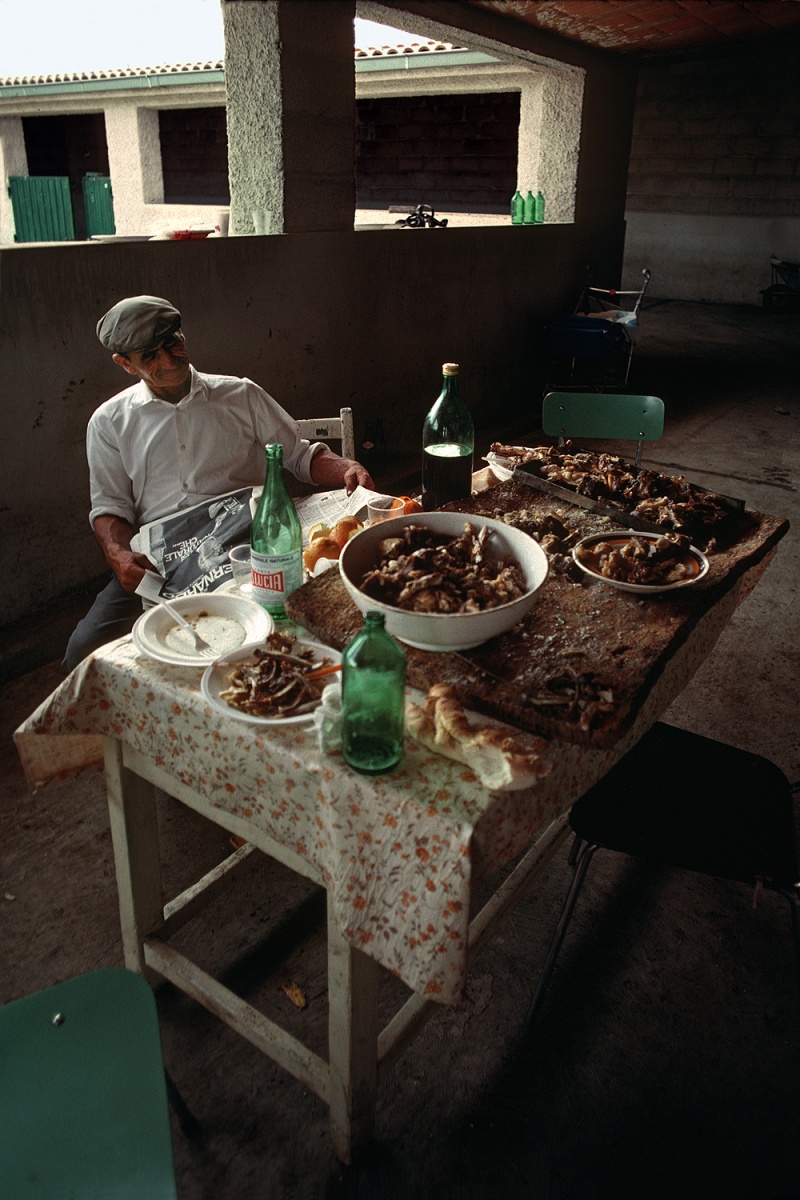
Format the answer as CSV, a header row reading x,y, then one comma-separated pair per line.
x,y
529,209
517,208
538,209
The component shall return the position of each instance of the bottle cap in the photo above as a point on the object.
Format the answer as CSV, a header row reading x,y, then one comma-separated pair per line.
x,y
450,369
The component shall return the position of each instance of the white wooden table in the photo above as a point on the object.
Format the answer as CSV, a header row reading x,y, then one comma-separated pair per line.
x,y
426,832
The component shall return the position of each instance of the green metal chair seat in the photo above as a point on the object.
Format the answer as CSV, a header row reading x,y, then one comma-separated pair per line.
x,y
83,1098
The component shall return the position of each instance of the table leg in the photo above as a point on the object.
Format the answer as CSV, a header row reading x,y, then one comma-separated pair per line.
x,y
137,858
353,981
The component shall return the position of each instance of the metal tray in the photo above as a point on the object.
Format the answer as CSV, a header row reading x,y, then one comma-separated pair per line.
x,y
603,508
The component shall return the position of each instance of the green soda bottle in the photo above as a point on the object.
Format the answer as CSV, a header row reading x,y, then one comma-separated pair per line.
x,y
538,209
529,209
517,208
373,699
448,443
276,540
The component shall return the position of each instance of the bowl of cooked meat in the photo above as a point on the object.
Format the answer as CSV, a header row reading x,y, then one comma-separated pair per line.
x,y
444,580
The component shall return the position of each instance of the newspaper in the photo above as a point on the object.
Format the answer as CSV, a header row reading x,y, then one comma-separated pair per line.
x,y
190,548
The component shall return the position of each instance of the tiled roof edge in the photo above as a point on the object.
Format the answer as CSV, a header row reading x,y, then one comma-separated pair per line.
x,y
121,73
422,46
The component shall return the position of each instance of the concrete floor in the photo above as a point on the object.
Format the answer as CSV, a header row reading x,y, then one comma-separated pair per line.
x,y
667,1053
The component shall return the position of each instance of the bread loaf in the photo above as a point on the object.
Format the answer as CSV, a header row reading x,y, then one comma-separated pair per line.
x,y
500,762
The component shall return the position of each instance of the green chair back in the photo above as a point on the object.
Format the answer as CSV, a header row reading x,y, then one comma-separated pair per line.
x,y
83,1100
603,415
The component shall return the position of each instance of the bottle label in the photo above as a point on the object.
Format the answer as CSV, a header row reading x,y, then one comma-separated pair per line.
x,y
275,576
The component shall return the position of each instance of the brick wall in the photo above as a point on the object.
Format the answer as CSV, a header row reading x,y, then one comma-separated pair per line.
x,y
718,132
194,155
437,150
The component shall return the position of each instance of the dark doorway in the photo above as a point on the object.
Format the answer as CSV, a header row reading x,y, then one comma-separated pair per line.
x,y
71,146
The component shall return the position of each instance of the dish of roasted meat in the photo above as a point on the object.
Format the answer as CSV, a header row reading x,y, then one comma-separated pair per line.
x,y
279,681
662,500
641,562
426,572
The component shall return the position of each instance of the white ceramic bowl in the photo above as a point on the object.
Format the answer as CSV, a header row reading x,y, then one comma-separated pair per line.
x,y
445,631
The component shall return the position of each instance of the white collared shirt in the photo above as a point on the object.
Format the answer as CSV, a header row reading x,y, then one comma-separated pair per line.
x,y
148,458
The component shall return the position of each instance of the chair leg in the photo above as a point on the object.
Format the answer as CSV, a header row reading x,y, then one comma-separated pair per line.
x,y
793,896
581,859
188,1123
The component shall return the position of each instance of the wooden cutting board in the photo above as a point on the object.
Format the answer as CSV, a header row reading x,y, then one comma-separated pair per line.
x,y
580,664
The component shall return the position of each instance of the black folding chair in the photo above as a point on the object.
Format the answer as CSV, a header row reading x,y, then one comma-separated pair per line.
x,y
682,800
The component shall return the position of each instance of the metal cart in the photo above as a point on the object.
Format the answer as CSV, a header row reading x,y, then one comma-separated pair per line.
x,y
591,349
783,294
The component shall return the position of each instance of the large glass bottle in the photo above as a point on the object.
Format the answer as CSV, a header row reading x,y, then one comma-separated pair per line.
x,y
448,443
276,540
373,698
517,208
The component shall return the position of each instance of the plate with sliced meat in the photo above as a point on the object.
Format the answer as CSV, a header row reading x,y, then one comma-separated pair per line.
x,y
274,682
645,563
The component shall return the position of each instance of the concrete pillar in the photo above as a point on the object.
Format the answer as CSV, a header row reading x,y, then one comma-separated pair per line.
x,y
291,113
134,160
13,161
549,138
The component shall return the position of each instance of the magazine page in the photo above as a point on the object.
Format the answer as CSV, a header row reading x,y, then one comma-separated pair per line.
x,y
190,547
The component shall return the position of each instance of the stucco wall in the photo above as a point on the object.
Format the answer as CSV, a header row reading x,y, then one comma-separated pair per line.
x,y
364,319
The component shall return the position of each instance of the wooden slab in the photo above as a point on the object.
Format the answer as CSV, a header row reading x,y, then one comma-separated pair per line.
x,y
579,666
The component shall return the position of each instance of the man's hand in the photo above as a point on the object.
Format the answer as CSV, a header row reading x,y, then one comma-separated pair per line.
x,y
333,471
113,535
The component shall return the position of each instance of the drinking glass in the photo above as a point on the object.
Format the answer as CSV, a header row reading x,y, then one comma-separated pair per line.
x,y
381,507
240,567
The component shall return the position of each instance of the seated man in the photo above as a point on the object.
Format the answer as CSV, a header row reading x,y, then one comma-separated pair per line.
x,y
174,438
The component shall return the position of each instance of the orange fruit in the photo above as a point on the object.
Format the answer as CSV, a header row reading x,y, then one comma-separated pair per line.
x,y
321,547
319,530
344,529
405,505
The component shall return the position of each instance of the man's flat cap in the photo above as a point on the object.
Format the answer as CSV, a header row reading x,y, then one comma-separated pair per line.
x,y
137,323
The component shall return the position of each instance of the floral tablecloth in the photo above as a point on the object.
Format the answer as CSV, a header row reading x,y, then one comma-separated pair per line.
x,y
398,853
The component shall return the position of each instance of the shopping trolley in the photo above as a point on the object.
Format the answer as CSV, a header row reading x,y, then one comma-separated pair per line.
x,y
591,348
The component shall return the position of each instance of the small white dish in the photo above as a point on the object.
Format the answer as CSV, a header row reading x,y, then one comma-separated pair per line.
x,y
215,681
154,632
694,558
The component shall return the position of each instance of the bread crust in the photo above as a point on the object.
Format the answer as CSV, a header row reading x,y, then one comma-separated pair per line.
x,y
498,759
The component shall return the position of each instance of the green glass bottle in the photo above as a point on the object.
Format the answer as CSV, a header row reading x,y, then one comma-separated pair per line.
x,y
448,443
538,209
373,699
529,209
276,540
517,208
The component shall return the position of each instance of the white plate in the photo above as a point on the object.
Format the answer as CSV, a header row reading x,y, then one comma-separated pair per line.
x,y
694,557
151,633
215,680
120,237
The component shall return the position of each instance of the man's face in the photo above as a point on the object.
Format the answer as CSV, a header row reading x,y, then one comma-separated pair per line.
x,y
165,368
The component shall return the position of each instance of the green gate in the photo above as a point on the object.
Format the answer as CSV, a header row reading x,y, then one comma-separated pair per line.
x,y
99,204
42,208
